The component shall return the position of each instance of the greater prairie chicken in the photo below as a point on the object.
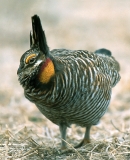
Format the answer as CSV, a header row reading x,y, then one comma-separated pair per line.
x,y
67,86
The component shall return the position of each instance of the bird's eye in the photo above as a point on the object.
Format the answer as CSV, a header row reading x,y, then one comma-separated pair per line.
x,y
32,60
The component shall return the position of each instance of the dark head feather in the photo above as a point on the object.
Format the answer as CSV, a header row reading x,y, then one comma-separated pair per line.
x,y
38,38
31,39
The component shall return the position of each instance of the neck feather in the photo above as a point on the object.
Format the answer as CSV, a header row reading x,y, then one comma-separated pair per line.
x,y
47,71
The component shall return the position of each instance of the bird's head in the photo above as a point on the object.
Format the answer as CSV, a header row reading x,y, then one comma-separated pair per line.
x,y
36,62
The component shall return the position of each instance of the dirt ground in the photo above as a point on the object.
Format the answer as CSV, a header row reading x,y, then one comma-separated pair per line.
x,y
25,133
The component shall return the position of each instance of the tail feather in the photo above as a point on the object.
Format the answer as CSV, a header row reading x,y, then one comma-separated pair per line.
x,y
38,35
103,51
108,53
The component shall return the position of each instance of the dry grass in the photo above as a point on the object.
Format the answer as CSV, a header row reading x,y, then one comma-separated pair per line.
x,y
26,144
25,133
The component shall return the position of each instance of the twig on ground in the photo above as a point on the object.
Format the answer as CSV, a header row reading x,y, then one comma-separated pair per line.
x,y
117,128
79,155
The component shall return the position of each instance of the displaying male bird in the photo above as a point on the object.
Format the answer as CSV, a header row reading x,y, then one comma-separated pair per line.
x,y
67,86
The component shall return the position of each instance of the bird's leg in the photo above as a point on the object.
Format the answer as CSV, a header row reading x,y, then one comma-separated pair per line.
x,y
86,138
63,128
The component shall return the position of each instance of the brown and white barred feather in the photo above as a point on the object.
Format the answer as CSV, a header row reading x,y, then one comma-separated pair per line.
x,y
81,92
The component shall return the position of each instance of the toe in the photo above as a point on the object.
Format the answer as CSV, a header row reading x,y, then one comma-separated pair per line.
x,y
63,148
83,143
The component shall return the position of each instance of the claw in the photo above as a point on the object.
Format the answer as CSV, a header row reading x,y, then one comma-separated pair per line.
x,y
83,143
63,148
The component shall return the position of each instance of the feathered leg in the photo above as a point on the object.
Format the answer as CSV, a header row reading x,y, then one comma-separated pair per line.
x,y
63,129
86,138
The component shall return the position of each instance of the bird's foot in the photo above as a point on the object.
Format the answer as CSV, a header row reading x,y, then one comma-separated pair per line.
x,y
63,148
83,143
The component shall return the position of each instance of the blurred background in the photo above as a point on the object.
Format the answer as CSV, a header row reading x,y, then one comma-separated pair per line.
x,y
84,24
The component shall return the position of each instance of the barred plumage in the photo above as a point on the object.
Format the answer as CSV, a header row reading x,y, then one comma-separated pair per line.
x,y
68,87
